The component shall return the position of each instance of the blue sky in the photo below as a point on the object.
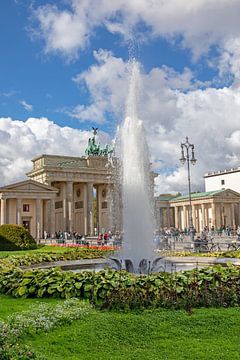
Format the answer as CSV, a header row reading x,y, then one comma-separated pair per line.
x,y
65,65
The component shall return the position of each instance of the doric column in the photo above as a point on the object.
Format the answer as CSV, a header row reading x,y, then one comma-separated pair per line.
x,y
19,212
85,209
176,216
46,216
90,208
203,216
168,216
161,217
3,211
69,195
213,214
64,199
184,217
233,215
99,206
193,216
52,217
39,230
221,215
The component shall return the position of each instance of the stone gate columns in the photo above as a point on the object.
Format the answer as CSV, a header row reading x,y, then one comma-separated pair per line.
x,y
52,217
64,197
69,196
39,229
19,212
90,209
233,223
3,211
85,208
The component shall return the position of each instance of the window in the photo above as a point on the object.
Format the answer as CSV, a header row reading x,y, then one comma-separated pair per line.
x,y
78,204
26,207
58,205
104,205
222,182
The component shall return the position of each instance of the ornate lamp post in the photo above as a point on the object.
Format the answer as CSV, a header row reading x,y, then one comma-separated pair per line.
x,y
185,156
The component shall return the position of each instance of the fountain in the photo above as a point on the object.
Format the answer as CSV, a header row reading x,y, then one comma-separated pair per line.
x,y
138,225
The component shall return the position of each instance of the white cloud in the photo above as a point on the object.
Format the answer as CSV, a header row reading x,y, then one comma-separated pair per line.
x,y
106,83
172,108
26,106
199,23
22,141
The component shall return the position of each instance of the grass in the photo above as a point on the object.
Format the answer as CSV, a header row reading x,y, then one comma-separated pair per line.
x,y
10,305
148,335
41,249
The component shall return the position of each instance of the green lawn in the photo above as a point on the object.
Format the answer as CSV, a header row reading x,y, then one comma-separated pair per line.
x,y
43,249
151,335
10,305
148,335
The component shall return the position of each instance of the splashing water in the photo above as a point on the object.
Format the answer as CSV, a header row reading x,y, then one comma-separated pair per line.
x,y
137,208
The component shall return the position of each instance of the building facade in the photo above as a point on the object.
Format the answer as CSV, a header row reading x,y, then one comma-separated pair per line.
x,y
213,208
63,193
226,179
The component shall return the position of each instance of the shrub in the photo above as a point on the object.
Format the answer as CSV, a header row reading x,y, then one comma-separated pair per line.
x,y
214,286
14,237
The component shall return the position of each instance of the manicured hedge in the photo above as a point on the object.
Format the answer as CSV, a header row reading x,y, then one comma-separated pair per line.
x,y
14,237
214,286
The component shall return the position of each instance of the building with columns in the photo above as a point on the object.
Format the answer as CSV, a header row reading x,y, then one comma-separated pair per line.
x,y
213,208
63,193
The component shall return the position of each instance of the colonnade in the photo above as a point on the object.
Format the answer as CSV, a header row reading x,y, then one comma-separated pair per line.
x,y
207,215
76,212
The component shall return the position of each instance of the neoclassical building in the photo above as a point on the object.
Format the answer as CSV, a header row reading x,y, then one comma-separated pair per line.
x,y
65,193
213,208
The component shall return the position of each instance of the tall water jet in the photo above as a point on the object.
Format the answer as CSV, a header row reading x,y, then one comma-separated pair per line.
x,y
136,183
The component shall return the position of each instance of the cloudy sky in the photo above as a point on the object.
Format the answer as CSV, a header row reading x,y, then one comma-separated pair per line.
x,y
64,68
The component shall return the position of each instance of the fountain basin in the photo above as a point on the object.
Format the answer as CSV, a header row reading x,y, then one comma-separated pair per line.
x,y
82,264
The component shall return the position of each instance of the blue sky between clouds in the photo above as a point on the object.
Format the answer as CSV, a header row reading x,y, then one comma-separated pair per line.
x,y
189,69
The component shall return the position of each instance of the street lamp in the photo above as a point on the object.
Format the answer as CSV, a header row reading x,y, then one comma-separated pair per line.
x,y
185,156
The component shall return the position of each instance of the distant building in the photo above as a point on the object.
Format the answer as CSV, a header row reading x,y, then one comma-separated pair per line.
x,y
226,179
212,208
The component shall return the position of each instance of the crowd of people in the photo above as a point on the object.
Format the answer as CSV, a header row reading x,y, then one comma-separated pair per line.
x,y
166,236
103,238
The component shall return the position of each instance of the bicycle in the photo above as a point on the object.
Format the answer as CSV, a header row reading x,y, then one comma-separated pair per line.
x,y
205,245
233,246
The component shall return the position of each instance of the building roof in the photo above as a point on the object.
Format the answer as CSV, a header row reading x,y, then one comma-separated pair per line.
x,y
28,185
199,195
222,172
166,198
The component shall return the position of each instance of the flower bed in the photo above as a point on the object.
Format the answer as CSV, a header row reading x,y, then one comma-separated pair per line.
x,y
80,246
